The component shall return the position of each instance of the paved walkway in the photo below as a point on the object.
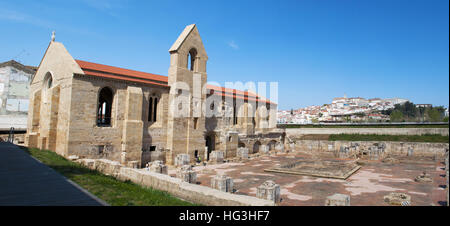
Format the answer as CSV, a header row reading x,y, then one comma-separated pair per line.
x,y
24,181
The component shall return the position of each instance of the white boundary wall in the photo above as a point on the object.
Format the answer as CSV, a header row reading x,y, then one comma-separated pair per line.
x,y
378,131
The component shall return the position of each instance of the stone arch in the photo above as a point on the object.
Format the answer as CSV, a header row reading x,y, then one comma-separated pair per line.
x,y
241,144
153,107
191,59
272,144
47,84
256,147
210,144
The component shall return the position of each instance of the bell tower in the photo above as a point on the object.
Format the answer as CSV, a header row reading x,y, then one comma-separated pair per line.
x,y
187,81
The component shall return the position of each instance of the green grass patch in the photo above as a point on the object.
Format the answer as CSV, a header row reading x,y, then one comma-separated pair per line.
x,y
431,138
294,126
107,188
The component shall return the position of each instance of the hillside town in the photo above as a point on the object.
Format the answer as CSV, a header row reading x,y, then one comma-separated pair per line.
x,y
341,109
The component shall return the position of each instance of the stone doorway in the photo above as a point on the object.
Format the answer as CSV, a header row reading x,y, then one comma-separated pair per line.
x,y
256,147
210,143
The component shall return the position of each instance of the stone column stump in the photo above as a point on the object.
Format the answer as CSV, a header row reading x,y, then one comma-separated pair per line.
x,y
292,146
270,191
217,156
376,152
279,147
264,149
157,167
338,200
344,152
242,153
186,174
410,151
182,159
222,183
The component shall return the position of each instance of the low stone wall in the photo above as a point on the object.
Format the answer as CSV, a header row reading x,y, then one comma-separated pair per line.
x,y
190,192
18,138
379,131
394,148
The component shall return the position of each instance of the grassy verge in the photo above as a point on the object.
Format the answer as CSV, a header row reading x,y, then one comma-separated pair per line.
x,y
107,188
432,138
293,126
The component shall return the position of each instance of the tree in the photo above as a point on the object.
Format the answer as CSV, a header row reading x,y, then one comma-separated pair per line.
x,y
433,115
409,110
396,116
421,111
360,114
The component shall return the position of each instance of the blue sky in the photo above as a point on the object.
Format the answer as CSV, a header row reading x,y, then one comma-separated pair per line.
x,y
316,50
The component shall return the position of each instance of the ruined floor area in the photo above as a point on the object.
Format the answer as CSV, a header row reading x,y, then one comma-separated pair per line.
x,y
367,186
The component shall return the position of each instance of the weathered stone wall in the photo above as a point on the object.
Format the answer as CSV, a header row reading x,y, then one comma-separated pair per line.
x,y
256,141
394,148
60,66
380,131
175,186
86,136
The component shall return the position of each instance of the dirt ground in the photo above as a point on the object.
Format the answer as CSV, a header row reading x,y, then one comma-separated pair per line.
x,y
366,187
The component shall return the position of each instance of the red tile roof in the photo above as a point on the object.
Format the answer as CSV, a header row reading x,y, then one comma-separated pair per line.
x,y
101,70
106,71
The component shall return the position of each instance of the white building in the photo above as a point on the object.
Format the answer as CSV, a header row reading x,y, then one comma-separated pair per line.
x,y
15,81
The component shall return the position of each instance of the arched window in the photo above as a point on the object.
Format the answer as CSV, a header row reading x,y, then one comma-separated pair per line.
x,y
153,109
191,59
47,84
105,100
235,119
195,123
150,109
48,81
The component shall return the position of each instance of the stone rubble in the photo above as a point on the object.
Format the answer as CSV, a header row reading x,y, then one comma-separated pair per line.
x,y
424,177
338,200
398,199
